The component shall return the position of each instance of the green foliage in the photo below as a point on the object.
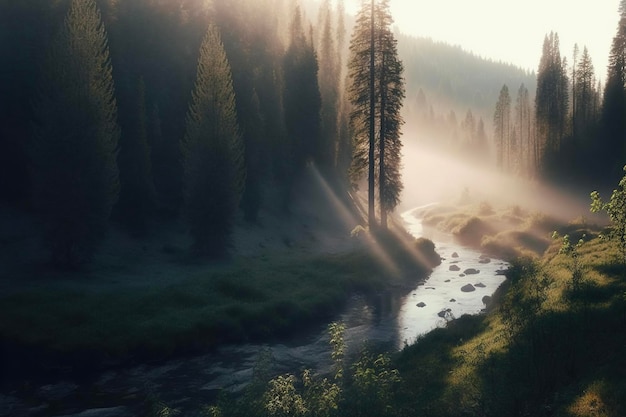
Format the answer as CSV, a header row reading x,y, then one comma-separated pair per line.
x,y
525,298
374,386
74,171
213,152
616,209
336,332
572,252
282,399
370,389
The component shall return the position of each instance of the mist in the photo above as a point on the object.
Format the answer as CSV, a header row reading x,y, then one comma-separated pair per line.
x,y
432,175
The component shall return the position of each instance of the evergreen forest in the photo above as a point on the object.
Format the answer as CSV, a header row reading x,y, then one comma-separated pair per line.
x,y
226,208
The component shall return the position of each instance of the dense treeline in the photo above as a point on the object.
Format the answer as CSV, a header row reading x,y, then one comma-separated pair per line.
x,y
575,130
287,110
450,95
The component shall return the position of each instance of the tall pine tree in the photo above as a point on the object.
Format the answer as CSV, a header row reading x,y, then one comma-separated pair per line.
x,y
213,153
613,149
376,94
74,171
551,102
302,105
502,128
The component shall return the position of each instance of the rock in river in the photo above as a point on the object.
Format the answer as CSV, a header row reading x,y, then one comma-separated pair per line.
x,y
455,255
480,285
468,288
421,305
454,268
471,271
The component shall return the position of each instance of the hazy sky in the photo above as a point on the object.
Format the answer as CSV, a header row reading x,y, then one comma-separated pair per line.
x,y
511,30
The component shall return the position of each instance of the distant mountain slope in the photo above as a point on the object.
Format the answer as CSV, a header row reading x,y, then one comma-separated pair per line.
x,y
454,79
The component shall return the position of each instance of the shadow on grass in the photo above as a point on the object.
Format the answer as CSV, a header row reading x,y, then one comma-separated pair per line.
x,y
426,365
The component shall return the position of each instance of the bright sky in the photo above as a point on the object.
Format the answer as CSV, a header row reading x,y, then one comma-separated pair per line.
x,y
511,30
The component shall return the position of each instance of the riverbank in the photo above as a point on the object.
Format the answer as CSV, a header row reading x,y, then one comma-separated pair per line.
x,y
61,328
551,344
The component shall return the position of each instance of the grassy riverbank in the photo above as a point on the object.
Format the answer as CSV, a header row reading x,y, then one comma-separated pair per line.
x,y
59,325
552,345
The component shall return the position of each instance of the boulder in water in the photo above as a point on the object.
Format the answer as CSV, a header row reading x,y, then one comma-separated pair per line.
x,y
486,300
471,271
444,313
455,255
468,288
454,268
421,305
480,285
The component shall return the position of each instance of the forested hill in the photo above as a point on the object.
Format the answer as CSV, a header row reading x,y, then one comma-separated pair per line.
x,y
454,79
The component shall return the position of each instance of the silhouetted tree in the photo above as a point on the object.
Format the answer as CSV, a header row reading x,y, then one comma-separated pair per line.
x,y
502,128
213,154
302,101
614,105
74,171
392,94
523,127
584,96
551,101
377,93
329,73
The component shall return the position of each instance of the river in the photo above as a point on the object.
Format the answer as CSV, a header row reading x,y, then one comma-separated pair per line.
x,y
458,286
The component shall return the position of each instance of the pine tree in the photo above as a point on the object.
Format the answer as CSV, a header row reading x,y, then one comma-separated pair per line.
x,y
213,153
302,101
613,149
584,95
329,73
551,101
392,94
502,128
74,171
523,125
376,94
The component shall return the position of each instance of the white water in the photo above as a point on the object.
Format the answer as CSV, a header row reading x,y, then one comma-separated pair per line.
x,y
444,285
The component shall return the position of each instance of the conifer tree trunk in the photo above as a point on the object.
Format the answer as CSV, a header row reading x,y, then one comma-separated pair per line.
x,y
382,140
372,120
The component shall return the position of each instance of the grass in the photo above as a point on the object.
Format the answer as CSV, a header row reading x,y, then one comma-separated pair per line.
x,y
549,349
249,299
